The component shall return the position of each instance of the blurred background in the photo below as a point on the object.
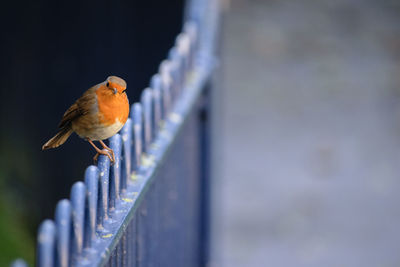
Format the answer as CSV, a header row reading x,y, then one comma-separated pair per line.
x,y
306,128
309,158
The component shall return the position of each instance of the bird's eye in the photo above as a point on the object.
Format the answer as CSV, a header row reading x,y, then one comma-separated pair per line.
x,y
108,84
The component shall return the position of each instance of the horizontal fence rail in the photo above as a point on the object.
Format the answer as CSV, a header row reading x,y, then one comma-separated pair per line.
x,y
145,209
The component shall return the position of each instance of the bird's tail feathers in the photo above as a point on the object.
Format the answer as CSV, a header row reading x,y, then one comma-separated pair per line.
x,y
59,138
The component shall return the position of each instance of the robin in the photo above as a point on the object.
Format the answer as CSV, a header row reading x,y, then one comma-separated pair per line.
x,y
97,115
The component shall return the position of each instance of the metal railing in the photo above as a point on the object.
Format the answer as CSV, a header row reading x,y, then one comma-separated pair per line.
x,y
150,207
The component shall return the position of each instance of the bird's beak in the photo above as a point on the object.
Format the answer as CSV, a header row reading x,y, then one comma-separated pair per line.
x,y
115,91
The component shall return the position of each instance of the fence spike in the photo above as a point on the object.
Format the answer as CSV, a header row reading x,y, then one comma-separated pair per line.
x,y
63,228
137,133
146,101
46,244
78,192
115,173
126,166
91,182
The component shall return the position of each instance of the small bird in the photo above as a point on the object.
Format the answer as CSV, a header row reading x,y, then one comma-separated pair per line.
x,y
97,115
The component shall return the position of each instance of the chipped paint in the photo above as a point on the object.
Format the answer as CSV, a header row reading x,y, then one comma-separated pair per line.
x,y
134,177
147,160
107,236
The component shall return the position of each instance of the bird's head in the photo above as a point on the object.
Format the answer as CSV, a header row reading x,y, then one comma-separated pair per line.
x,y
116,84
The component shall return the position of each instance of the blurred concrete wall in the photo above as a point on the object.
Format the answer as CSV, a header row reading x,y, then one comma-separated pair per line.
x,y
309,169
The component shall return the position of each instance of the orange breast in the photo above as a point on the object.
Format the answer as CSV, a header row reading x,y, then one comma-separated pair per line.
x,y
112,107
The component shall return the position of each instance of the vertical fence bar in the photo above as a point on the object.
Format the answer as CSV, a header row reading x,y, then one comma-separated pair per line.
x,y
183,46
45,254
165,89
167,81
104,175
126,156
157,110
156,84
137,133
78,192
115,175
190,27
63,228
147,118
177,69
91,181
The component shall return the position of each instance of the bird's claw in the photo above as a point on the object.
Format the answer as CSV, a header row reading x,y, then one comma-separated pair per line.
x,y
106,152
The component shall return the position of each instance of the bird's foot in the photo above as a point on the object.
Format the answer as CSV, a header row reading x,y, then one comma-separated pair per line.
x,y
109,154
108,149
112,154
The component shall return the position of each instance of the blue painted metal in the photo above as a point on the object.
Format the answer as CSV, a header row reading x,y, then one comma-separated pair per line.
x,y
104,178
78,196
147,105
137,133
63,228
126,154
150,207
166,83
156,94
46,241
91,181
177,69
115,173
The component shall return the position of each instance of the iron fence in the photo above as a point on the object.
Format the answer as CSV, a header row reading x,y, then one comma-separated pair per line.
x,y
149,208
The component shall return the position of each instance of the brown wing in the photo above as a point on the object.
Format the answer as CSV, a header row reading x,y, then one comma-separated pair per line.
x,y
81,107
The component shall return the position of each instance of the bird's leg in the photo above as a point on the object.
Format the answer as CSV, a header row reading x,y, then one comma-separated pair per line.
x,y
108,149
99,152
